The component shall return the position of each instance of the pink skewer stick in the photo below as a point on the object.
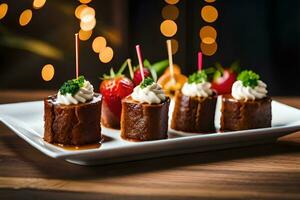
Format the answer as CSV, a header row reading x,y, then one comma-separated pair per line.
x,y
199,61
77,54
139,54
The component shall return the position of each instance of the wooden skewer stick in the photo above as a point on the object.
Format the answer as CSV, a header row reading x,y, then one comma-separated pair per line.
x,y
171,65
130,68
139,54
77,54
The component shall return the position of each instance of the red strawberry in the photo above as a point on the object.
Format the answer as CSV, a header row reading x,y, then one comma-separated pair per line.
x,y
114,90
224,78
137,78
223,82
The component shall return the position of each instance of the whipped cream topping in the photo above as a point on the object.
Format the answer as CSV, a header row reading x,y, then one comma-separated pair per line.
x,y
151,94
197,89
84,94
240,92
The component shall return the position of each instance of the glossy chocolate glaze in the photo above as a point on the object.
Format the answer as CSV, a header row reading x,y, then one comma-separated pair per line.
x,y
241,115
72,124
194,114
143,121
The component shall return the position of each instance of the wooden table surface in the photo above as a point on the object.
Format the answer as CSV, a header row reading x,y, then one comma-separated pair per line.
x,y
270,171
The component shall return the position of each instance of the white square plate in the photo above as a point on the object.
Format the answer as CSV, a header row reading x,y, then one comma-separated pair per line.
x,y
26,120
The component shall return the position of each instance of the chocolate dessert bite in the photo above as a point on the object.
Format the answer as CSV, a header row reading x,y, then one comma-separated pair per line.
x,y
195,106
72,117
145,113
248,106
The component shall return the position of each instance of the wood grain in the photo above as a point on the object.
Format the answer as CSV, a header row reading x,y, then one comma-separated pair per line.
x,y
270,171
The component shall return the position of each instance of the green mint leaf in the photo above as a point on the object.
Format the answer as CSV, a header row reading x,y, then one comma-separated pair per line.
x,y
197,77
248,78
72,86
147,81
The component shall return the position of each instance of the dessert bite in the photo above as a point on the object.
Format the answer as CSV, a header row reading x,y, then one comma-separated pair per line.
x,y
248,106
195,105
172,83
72,116
114,88
172,80
145,113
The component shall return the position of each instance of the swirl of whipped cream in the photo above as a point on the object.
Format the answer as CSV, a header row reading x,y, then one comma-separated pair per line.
x,y
85,93
197,89
151,94
241,92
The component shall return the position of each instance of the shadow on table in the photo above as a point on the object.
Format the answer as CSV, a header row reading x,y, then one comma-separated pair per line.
x,y
29,162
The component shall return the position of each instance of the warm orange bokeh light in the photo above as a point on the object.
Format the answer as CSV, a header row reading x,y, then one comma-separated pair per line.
x,y
85,35
87,26
210,1
85,1
99,44
208,49
170,12
25,17
3,10
106,55
37,4
168,28
48,72
209,14
79,9
87,14
175,46
172,1
208,34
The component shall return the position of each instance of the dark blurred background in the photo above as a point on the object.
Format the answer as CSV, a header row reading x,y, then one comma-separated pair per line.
x,y
263,35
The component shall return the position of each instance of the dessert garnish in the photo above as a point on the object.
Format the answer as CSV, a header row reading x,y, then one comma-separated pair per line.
x,y
172,80
197,85
249,86
249,78
75,91
148,81
148,92
223,77
197,77
114,88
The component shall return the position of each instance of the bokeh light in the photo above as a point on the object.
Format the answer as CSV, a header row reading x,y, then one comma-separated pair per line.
x,y
175,46
79,9
85,35
172,1
3,10
168,28
87,26
87,14
48,72
37,4
106,55
85,1
208,49
170,12
25,17
208,34
99,44
209,14
210,1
